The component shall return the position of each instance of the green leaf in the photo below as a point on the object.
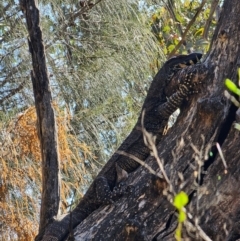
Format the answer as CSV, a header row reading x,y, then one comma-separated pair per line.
x,y
178,234
166,29
232,87
165,51
171,47
180,200
199,32
179,18
182,217
186,3
175,41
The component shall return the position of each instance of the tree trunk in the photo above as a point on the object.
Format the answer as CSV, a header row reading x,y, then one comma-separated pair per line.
x,y
208,118
45,116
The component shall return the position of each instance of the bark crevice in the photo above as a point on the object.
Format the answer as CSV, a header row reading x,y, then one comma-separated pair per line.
x,y
223,133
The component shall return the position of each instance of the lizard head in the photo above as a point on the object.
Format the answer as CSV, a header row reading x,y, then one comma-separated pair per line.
x,y
179,62
182,61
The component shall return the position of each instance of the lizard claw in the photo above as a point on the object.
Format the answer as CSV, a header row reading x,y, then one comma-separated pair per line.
x,y
188,86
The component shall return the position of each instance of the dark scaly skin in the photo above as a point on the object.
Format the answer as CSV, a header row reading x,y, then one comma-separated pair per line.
x,y
157,111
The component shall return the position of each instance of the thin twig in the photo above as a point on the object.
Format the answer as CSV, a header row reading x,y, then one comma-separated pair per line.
x,y
202,234
84,9
221,155
187,29
149,140
209,20
142,163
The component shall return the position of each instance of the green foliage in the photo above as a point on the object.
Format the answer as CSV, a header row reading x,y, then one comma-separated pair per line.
x,y
104,61
170,23
232,87
180,201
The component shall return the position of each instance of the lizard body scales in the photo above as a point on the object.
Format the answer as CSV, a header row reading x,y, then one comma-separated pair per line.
x,y
157,111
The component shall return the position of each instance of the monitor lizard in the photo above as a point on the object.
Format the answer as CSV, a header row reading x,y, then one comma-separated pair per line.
x,y
107,187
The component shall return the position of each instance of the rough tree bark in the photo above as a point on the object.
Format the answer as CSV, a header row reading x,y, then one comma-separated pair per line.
x,y
45,116
214,207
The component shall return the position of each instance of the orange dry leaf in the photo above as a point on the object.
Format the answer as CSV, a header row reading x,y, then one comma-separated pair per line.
x,y
20,177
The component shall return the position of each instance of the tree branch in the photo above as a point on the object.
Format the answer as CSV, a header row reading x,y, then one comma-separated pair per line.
x,y
45,116
208,22
187,29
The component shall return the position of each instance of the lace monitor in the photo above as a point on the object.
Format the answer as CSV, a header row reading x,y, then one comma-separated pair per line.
x,y
107,185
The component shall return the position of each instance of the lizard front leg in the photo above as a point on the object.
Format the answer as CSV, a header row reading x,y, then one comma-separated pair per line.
x,y
186,88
